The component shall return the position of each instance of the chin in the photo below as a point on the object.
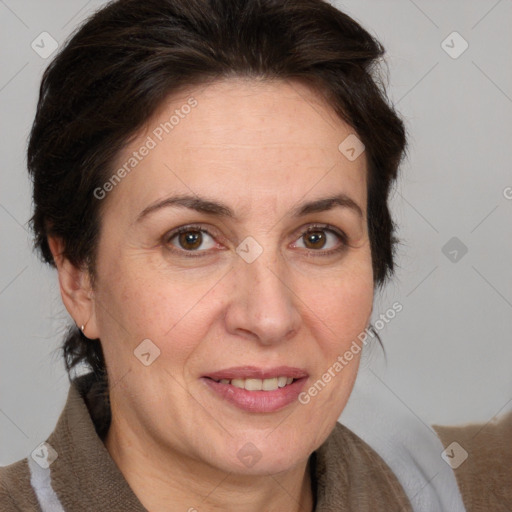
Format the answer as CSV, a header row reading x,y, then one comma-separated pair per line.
x,y
262,456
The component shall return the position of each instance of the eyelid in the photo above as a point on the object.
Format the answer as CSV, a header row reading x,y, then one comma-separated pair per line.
x,y
326,227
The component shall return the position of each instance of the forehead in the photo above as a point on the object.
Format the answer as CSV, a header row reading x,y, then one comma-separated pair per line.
x,y
243,139
247,114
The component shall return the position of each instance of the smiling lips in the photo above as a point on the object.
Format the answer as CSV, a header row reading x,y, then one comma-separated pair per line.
x,y
257,390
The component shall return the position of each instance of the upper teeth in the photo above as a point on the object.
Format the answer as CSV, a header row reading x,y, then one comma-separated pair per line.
x,y
259,384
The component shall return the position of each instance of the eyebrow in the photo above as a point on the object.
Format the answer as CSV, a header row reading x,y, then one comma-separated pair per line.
x,y
202,205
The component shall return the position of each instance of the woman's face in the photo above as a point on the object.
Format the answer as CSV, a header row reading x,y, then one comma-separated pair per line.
x,y
244,290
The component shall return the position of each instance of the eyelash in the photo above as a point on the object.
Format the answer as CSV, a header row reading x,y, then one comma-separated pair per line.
x,y
315,227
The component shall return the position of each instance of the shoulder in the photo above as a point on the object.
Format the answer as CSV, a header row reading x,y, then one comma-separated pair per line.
x,y
16,492
481,457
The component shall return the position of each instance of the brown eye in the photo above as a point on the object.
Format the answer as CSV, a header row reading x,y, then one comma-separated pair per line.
x,y
322,240
191,240
315,239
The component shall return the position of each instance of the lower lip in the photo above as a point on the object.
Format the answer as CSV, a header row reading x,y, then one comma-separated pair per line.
x,y
258,401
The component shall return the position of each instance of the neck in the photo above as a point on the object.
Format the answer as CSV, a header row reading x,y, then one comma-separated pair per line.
x,y
169,481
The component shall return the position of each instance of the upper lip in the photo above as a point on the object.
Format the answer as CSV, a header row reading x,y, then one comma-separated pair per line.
x,y
253,372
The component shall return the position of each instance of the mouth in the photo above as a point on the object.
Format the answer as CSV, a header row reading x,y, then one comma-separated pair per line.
x,y
255,389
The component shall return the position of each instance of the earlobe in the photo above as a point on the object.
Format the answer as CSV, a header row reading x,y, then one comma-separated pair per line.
x,y
75,289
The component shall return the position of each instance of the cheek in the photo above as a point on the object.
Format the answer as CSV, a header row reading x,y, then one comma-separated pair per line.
x,y
342,302
339,319
339,312
173,312
352,303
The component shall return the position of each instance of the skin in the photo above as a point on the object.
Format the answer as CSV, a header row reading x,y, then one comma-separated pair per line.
x,y
261,148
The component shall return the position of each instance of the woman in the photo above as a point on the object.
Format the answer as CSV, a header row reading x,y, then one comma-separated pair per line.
x,y
211,183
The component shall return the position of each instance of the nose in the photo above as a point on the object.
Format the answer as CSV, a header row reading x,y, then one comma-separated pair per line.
x,y
263,305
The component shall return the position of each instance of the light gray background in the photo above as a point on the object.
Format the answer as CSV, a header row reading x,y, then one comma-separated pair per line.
x,y
449,350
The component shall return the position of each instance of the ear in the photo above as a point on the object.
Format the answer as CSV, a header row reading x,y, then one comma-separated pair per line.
x,y
75,289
